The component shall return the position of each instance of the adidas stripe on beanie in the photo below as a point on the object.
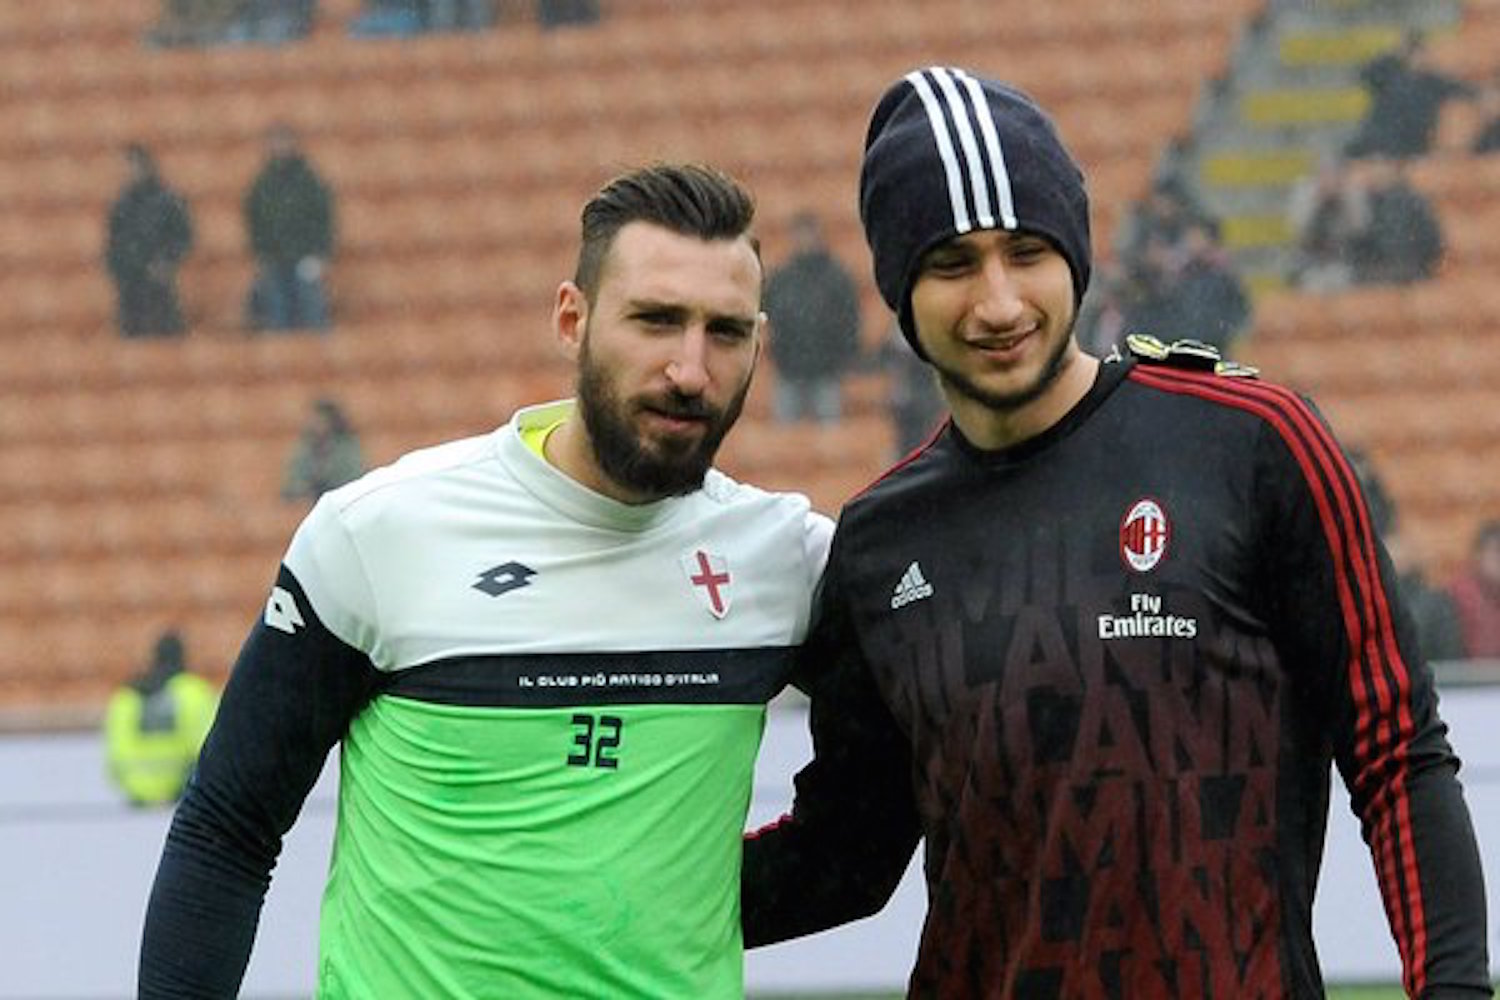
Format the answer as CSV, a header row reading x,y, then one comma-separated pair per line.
x,y
948,153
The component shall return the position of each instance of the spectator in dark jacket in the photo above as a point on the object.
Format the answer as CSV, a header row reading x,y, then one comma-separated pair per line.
x,y
1327,210
1186,290
327,454
1404,239
1406,99
1203,299
150,231
914,402
289,216
1487,106
1476,592
212,22
1432,608
812,304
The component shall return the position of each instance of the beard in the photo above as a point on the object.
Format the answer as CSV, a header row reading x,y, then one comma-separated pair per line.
x,y
656,469
1009,402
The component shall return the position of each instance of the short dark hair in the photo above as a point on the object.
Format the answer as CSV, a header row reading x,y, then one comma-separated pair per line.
x,y
328,408
687,198
170,652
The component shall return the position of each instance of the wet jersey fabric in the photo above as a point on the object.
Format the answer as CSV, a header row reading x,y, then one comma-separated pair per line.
x,y
1105,675
548,705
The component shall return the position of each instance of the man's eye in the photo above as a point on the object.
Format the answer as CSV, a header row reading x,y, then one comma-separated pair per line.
x,y
947,265
730,331
1028,251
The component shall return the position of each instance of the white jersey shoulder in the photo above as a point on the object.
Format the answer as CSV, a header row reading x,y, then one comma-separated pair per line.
x,y
479,546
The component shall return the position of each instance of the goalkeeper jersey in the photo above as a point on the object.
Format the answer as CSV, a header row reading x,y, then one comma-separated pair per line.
x,y
549,705
1105,675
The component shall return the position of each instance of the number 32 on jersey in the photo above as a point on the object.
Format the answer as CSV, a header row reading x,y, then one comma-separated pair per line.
x,y
596,741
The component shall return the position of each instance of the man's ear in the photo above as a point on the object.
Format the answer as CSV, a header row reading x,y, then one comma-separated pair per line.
x,y
570,318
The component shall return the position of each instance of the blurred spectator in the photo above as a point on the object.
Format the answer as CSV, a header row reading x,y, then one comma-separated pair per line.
x,y
155,724
1377,498
1363,223
150,231
1173,280
1402,241
411,17
1161,219
1176,166
456,15
812,304
1328,211
276,21
1198,295
1105,309
289,217
1476,591
1487,105
327,454
387,18
913,400
1406,98
1432,609
210,22
198,22
557,13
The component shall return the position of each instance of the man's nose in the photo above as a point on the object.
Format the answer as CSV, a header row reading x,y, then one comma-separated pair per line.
x,y
999,302
688,368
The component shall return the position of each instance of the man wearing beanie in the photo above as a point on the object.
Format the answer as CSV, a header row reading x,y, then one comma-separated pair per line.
x,y
1100,640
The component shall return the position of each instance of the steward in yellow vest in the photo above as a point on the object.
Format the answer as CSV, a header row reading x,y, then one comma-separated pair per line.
x,y
155,725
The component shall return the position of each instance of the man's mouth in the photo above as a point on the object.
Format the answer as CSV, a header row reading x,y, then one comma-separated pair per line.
x,y
677,419
1006,343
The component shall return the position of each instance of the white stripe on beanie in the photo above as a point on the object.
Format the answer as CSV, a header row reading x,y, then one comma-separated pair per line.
x,y
986,119
977,181
987,171
945,151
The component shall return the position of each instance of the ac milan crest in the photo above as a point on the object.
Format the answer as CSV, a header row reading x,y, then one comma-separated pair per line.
x,y
708,572
1144,534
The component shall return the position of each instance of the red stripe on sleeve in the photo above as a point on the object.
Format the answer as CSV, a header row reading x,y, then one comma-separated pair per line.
x,y
1367,622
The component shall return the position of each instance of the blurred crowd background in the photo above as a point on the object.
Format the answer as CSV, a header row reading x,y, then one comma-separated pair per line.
x,y
252,248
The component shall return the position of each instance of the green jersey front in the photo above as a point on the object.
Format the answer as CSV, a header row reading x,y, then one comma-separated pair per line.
x,y
590,851
545,794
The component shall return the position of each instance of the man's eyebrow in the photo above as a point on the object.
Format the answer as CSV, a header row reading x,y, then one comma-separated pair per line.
x,y
678,310
735,321
946,249
655,306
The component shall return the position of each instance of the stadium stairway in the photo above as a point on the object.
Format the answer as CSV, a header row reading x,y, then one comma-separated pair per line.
x,y
1293,97
1408,372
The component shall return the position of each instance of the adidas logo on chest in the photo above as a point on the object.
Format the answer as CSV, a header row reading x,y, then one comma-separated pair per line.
x,y
913,586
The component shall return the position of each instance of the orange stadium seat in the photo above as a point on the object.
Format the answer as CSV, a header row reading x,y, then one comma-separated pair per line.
x,y
1470,51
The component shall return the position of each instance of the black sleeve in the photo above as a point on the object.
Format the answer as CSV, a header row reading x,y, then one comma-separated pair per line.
x,y
1342,626
841,852
289,699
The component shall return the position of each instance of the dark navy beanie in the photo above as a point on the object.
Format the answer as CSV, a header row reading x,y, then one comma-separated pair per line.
x,y
948,153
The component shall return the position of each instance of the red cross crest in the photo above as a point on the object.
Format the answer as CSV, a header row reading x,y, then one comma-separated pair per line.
x,y
1144,534
709,575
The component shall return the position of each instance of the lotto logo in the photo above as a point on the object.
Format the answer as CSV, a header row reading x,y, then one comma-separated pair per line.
x,y
502,579
282,612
